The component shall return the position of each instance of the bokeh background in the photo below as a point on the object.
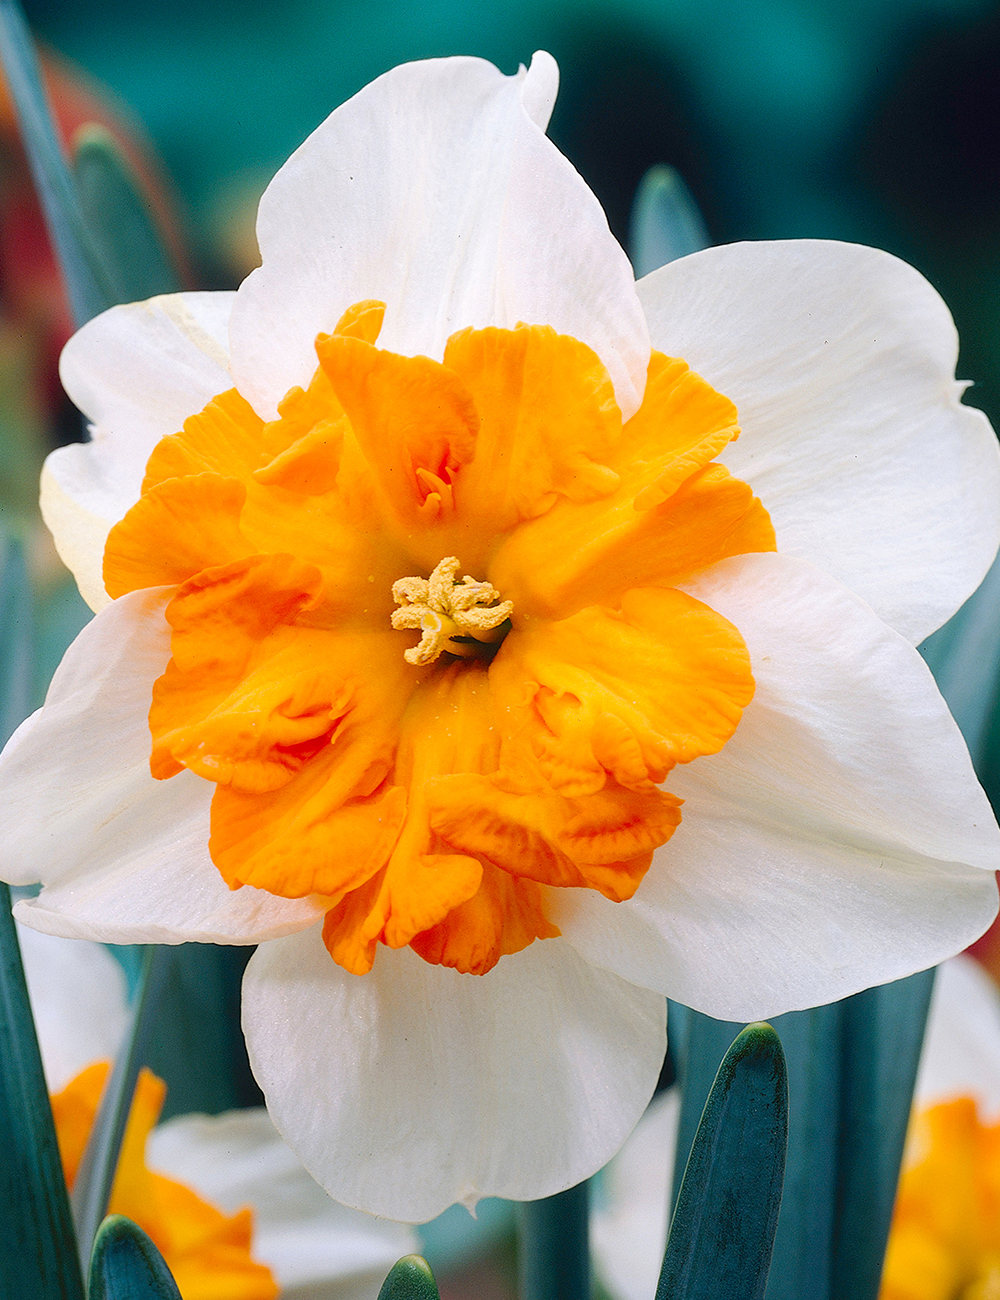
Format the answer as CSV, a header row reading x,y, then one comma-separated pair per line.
x,y
876,121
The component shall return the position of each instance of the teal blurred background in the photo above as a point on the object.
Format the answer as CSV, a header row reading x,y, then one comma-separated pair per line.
x,y
876,121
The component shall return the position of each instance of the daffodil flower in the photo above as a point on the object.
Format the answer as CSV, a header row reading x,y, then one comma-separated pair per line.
x,y
428,594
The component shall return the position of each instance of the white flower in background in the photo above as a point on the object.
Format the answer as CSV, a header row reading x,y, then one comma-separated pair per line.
x,y
316,1249
470,889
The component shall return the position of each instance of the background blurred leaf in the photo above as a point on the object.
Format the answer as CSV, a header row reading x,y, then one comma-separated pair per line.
x,y
120,220
722,1229
665,222
16,638
553,1246
38,1258
87,284
126,1265
851,1069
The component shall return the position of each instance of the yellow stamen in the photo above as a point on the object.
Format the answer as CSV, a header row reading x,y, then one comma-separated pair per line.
x,y
444,609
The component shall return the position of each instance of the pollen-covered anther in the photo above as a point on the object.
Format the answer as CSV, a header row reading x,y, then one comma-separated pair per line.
x,y
457,618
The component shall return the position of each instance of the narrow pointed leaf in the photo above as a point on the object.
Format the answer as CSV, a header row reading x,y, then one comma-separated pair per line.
x,y
16,638
851,1067
96,1174
883,1034
38,1259
86,282
722,1231
410,1278
665,222
553,1246
126,1265
118,217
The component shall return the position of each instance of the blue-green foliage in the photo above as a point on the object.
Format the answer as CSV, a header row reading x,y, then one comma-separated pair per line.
x,y
851,1068
410,1278
554,1246
723,1225
16,638
126,1265
38,1248
665,223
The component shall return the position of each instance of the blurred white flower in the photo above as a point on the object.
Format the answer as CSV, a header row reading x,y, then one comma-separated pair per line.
x,y
316,1248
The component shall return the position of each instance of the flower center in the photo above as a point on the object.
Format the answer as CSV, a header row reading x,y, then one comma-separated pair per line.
x,y
464,618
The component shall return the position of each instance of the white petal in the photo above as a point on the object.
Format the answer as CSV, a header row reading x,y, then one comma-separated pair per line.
x,y
123,858
839,840
841,361
137,372
961,1053
435,190
78,1000
315,1247
628,1231
428,1087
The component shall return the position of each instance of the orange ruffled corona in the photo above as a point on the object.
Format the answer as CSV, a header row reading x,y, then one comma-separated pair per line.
x,y
945,1237
207,1252
429,802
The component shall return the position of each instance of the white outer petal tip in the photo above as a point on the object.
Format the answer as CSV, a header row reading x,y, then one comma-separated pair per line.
x,y
137,372
841,362
434,190
428,1087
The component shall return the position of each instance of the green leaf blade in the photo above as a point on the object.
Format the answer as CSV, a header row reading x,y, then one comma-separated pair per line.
x,y
38,1258
410,1278
16,638
665,222
126,1265
722,1232
96,1174
553,1246
119,219
87,286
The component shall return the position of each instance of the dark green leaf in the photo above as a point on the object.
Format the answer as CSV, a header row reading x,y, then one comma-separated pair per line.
x,y
120,222
198,1049
722,1231
410,1278
851,1067
883,1034
126,1265
665,222
87,284
106,240
38,1259
16,638
553,1246
95,1176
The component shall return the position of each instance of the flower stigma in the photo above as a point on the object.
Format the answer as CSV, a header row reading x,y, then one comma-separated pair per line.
x,y
460,618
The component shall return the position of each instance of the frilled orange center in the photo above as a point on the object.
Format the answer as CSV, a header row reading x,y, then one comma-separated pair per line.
x,y
945,1237
430,802
207,1251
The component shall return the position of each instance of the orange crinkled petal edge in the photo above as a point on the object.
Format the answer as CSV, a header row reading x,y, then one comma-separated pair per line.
x,y
429,806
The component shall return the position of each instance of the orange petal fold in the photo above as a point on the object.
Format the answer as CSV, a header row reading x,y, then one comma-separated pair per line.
x,y
175,530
